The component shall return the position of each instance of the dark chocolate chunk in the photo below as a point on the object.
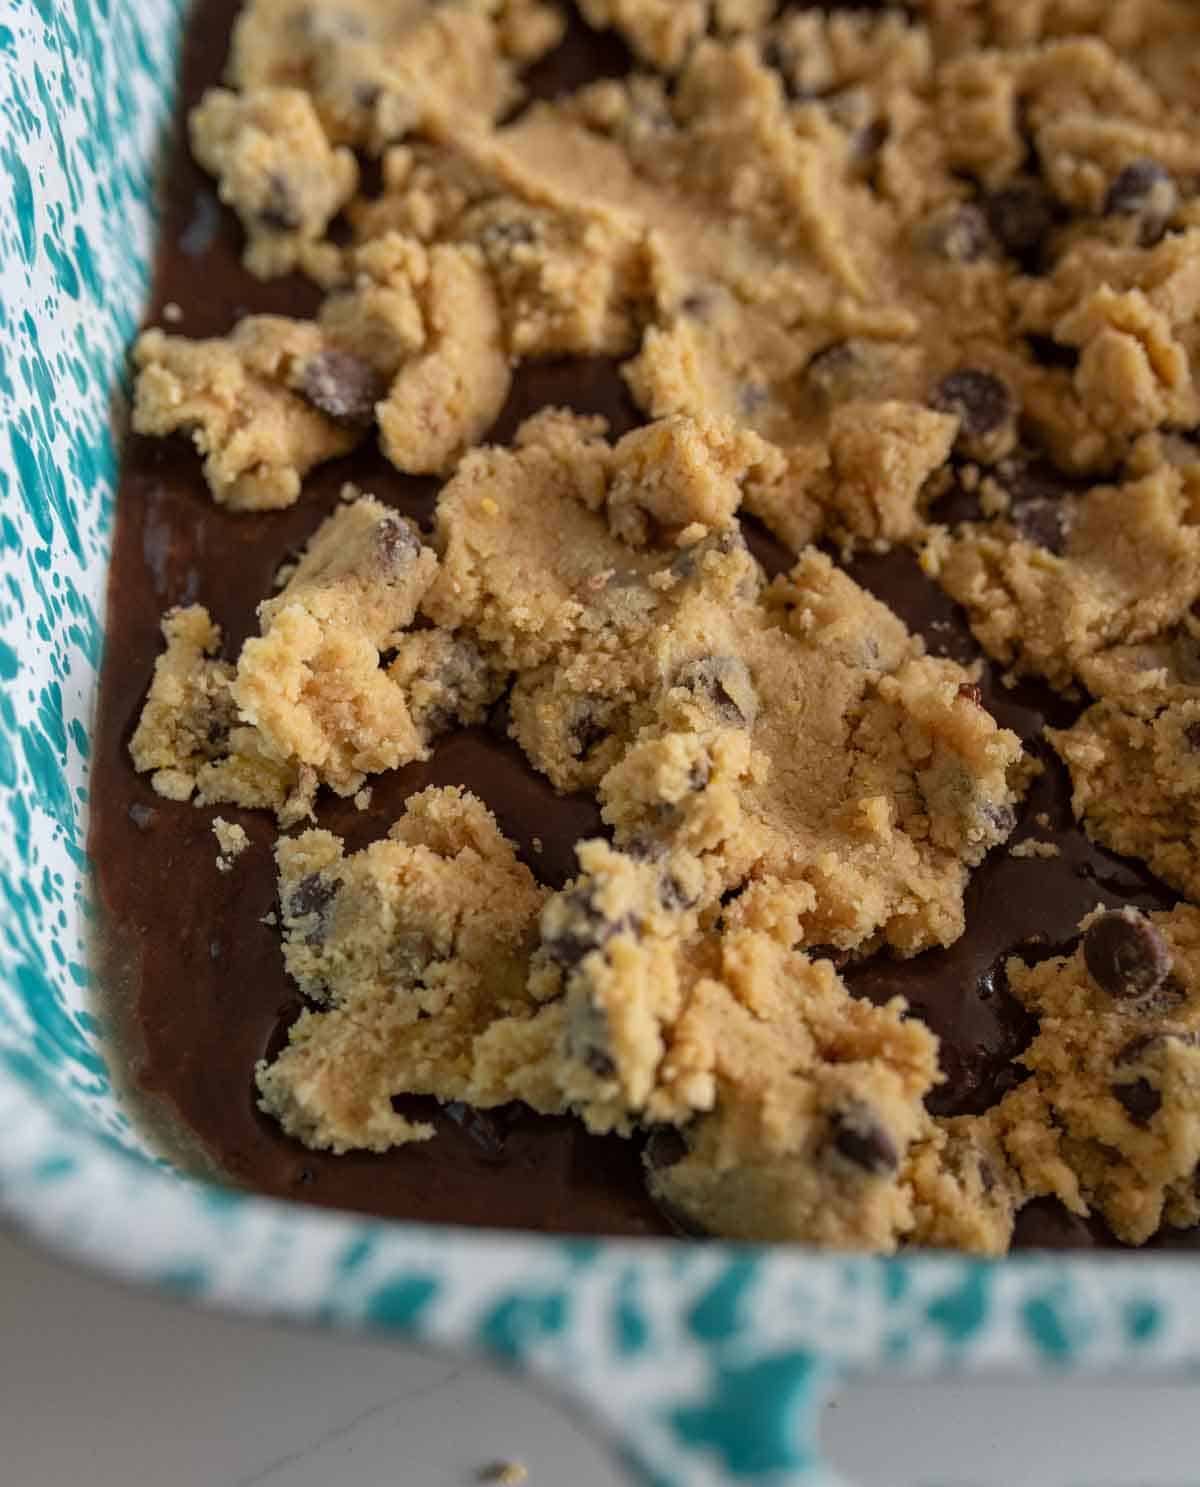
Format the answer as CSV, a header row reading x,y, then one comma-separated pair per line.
x,y
673,895
586,732
959,234
1051,353
861,1139
586,929
1044,522
1125,955
312,895
396,542
981,401
599,1062
1144,190
485,1128
1020,217
342,386
725,681
665,1147
835,371
280,212
1150,1044
784,63
1143,186
1139,1099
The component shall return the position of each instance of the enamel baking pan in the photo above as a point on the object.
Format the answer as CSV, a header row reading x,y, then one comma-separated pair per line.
x,y
707,1362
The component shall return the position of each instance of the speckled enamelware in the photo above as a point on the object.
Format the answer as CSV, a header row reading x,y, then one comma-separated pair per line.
x,y
708,1362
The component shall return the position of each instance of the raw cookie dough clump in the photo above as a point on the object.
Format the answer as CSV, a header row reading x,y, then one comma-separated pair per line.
x,y
411,949
1110,1117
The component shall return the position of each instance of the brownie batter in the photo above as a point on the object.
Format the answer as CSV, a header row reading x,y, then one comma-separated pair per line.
x,y
212,996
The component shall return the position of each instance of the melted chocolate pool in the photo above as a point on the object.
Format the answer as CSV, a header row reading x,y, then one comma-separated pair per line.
x,y
209,995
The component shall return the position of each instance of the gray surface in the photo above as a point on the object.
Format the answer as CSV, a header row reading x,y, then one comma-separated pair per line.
x,y
106,1387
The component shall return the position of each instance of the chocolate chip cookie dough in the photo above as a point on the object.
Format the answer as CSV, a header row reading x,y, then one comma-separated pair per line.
x,y
917,276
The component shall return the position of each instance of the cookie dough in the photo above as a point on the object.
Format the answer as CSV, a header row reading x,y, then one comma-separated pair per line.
x,y
336,687
411,949
921,274
379,69
1108,1119
1136,781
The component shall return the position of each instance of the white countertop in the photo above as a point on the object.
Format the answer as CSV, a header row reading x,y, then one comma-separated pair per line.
x,y
103,1387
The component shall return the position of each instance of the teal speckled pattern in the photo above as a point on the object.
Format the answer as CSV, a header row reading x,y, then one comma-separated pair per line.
x,y
707,1363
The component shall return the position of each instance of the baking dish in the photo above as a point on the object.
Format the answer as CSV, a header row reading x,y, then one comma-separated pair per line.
x,y
707,1362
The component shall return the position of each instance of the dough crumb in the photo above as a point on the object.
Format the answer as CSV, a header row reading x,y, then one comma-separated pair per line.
x,y
504,1473
1033,848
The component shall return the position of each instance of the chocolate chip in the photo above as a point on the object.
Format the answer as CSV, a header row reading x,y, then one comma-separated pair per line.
x,y
599,1062
1001,818
1140,1100
583,930
861,1139
1044,522
342,386
725,681
869,140
1142,187
312,895
959,234
673,895
832,953
1020,217
783,63
585,732
665,1147
1125,955
980,400
1138,1049
280,212
396,542
1051,353
969,692
838,371
498,239
486,1130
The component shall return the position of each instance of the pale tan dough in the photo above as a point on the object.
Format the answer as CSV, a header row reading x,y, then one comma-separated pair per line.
x,y
798,734
1136,784
309,701
410,948
189,738
1110,1117
277,170
312,683
378,69
1127,567
259,438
